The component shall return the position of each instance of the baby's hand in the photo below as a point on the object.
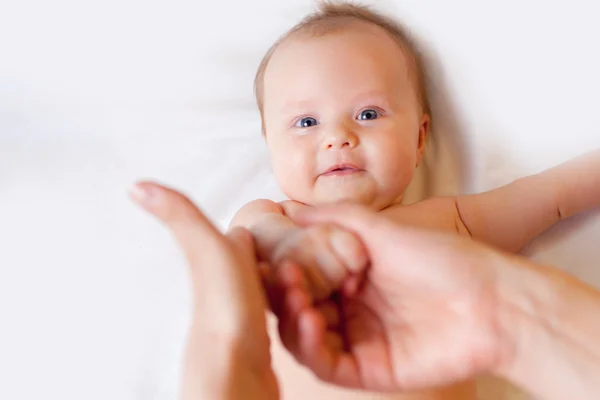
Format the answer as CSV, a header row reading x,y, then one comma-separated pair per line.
x,y
326,254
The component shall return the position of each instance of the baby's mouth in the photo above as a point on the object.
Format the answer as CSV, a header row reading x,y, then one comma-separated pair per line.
x,y
342,170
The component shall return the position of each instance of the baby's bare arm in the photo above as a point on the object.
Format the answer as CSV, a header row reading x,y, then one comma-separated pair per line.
x,y
511,216
267,222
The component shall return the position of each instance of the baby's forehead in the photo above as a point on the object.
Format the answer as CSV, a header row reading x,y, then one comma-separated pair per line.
x,y
347,31
333,42
360,52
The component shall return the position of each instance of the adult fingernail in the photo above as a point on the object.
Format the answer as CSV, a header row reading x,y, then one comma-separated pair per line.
x,y
144,194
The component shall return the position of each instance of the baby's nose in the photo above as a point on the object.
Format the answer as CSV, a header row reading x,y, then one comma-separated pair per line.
x,y
341,139
335,144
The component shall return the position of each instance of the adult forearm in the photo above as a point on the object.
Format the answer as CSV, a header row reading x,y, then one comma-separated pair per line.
x,y
552,322
221,369
206,369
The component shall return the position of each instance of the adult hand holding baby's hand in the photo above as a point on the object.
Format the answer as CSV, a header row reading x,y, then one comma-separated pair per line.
x,y
426,315
327,255
228,349
433,309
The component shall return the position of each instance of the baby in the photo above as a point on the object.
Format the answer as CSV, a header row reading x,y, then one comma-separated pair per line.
x,y
345,115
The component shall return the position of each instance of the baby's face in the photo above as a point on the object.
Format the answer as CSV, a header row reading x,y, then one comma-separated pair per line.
x,y
342,118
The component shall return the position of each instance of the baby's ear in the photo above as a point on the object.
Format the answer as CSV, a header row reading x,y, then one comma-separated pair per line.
x,y
423,134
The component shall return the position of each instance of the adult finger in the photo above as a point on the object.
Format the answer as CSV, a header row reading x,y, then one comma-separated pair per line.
x,y
319,349
357,219
245,279
187,223
382,238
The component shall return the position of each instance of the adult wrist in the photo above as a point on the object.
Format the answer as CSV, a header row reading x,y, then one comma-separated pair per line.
x,y
550,330
222,368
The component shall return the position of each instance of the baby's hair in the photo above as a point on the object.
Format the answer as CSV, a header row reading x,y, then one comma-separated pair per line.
x,y
333,16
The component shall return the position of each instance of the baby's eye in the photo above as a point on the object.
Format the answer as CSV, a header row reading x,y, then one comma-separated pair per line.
x,y
306,122
368,115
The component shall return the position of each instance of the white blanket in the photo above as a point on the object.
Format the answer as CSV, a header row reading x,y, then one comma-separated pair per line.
x,y
96,94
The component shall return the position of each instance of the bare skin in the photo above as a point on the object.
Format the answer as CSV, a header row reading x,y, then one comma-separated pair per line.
x,y
435,308
348,128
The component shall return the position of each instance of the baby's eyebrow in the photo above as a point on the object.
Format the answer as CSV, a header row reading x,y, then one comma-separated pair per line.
x,y
296,106
372,96
309,105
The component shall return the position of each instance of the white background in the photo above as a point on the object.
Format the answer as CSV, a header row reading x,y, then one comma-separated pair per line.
x,y
96,94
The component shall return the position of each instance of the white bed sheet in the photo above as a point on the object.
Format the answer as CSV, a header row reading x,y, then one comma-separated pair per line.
x,y
93,95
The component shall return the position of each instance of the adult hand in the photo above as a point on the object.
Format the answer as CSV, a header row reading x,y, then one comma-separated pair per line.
x,y
228,350
426,314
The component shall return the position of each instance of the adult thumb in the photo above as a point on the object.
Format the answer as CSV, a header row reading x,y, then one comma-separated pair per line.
x,y
185,221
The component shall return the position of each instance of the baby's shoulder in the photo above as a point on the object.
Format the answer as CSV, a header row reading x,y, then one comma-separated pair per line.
x,y
254,209
291,207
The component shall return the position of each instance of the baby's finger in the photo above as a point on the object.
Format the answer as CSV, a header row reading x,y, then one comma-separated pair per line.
x,y
330,266
349,250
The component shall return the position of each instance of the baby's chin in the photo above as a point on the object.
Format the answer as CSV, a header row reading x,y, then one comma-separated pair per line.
x,y
371,200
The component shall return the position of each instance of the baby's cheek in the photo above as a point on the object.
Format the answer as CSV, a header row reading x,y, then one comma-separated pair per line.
x,y
292,178
396,168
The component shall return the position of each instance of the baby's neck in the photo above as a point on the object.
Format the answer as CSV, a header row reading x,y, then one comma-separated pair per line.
x,y
376,207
